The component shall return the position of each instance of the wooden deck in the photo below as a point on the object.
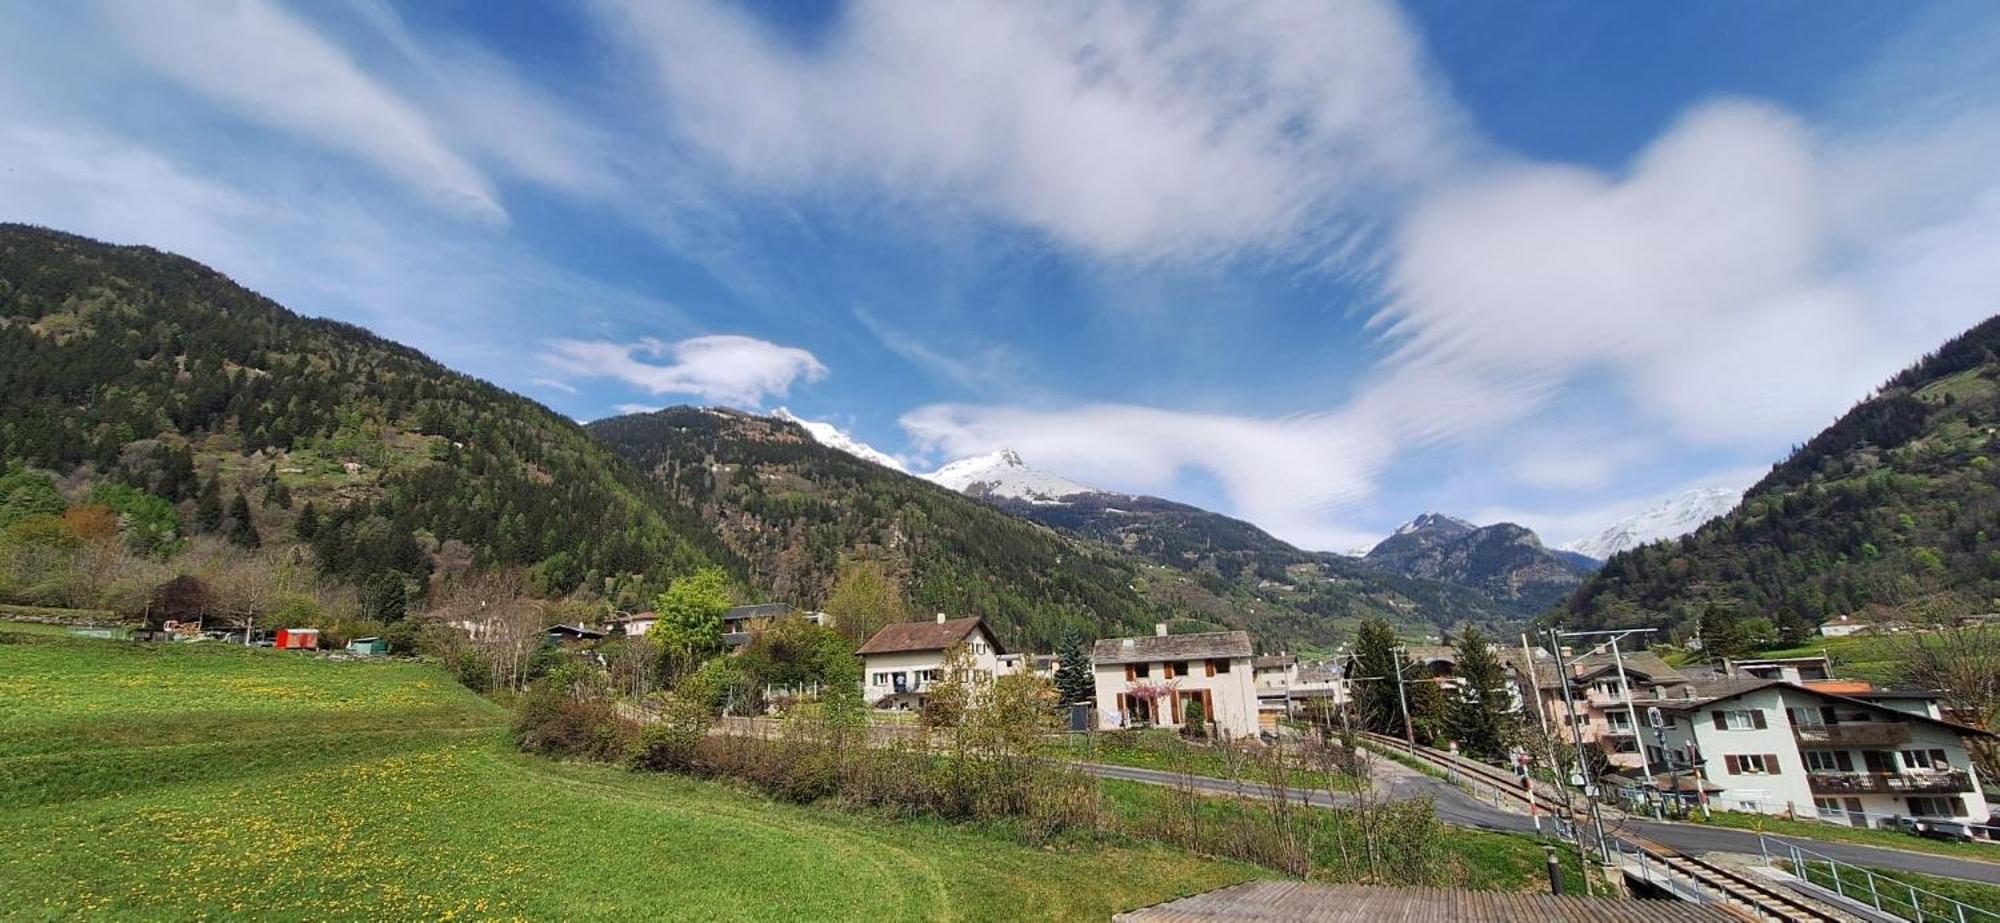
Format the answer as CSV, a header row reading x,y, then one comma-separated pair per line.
x,y
1311,903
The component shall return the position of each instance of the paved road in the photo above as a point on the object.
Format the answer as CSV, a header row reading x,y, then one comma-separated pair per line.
x,y
1455,806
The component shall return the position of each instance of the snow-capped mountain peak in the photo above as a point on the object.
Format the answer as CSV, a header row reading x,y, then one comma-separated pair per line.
x,y
1435,521
833,437
1676,517
1004,474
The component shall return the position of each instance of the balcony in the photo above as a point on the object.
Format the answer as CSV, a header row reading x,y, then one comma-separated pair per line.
x,y
1889,783
1855,734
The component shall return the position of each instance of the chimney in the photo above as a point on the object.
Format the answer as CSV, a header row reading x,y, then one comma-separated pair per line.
x,y
940,618
1159,629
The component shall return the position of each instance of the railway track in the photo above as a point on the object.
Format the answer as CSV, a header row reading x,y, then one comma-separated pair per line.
x,y
1757,899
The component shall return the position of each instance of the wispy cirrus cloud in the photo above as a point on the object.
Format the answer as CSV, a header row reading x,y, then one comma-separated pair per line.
x,y
254,58
1126,130
725,368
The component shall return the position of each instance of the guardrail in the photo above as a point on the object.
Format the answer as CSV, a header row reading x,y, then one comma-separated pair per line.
x,y
1862,885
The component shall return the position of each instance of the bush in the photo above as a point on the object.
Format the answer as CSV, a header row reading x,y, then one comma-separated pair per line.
x,y
553,723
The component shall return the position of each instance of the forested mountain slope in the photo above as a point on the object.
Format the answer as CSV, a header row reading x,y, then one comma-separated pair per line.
x,y
129,366
1503,560
796,510
1892,510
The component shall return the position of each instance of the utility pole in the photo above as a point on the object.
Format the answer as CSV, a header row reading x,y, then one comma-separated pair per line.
x,y
1632,715
1631,711
1409,730
1576,735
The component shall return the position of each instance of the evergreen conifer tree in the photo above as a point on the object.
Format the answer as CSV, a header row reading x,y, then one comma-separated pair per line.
x,y
1074,682
208,506
242,531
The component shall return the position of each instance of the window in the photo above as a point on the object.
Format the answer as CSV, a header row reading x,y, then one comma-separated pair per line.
x,y
1937,806
1827,761
1624,745
881,678
978,646
929,676
1827,805
1925,759
1219,665
1747,719
1619,721
1142,670
1751,764
1608,687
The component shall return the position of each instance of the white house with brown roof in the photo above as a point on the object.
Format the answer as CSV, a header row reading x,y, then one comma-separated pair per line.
x,y
902,660
1158,680
1778,747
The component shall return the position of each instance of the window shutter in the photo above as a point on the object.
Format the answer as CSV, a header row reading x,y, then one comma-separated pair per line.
x,y
1211,667
1771,763
1128,673
1721,723
1757,718
1167,669
1729,762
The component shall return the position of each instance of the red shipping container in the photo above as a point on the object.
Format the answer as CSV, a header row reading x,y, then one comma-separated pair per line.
x,y
298,639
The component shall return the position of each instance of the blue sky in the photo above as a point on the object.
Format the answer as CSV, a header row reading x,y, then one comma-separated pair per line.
x,y
1322,265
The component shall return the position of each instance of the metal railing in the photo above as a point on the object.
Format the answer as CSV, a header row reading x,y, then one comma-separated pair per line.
x,y
1861,885
1852,733
1901,783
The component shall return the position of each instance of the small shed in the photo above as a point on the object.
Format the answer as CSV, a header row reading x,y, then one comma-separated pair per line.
x,y
368,646
298,639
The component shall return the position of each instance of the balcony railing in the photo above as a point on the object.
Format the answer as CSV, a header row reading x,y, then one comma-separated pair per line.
x,y
1853,734
1889,783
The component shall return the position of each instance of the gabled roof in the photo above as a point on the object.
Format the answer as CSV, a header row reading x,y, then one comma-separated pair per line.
x,y
577,630
1149,648
1637,663
758,611
926,636
1709,695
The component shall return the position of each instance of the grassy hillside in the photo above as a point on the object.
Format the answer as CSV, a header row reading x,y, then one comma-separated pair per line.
x,y
1894,510
132,367
181,781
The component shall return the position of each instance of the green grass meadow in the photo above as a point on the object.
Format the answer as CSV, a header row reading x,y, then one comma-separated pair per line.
x,y
202,781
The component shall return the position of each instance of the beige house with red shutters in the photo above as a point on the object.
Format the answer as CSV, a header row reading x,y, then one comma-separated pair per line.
x,y
1162,680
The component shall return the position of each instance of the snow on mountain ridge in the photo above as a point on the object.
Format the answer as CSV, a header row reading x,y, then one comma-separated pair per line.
x,y
1676,517
833,437
1004,474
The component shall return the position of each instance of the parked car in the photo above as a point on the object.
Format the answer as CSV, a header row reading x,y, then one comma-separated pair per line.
x,y
1936,828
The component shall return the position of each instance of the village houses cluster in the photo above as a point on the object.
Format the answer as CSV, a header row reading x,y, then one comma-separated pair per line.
x,y
1770,736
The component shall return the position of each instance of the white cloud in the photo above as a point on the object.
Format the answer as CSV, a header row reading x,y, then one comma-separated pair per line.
x,y
1124,129
1280,472
265,65
726,369
1714,283
482,102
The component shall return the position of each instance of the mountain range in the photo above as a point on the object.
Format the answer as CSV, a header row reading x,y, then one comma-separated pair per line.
x,y
132,368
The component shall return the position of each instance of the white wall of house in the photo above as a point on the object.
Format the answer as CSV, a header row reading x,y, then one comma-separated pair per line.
x,y
1232,693
920,669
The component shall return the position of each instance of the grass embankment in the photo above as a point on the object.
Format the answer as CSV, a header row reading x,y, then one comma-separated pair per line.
x,y
184,781
1476,859
1840,833
1897,900
1165,751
